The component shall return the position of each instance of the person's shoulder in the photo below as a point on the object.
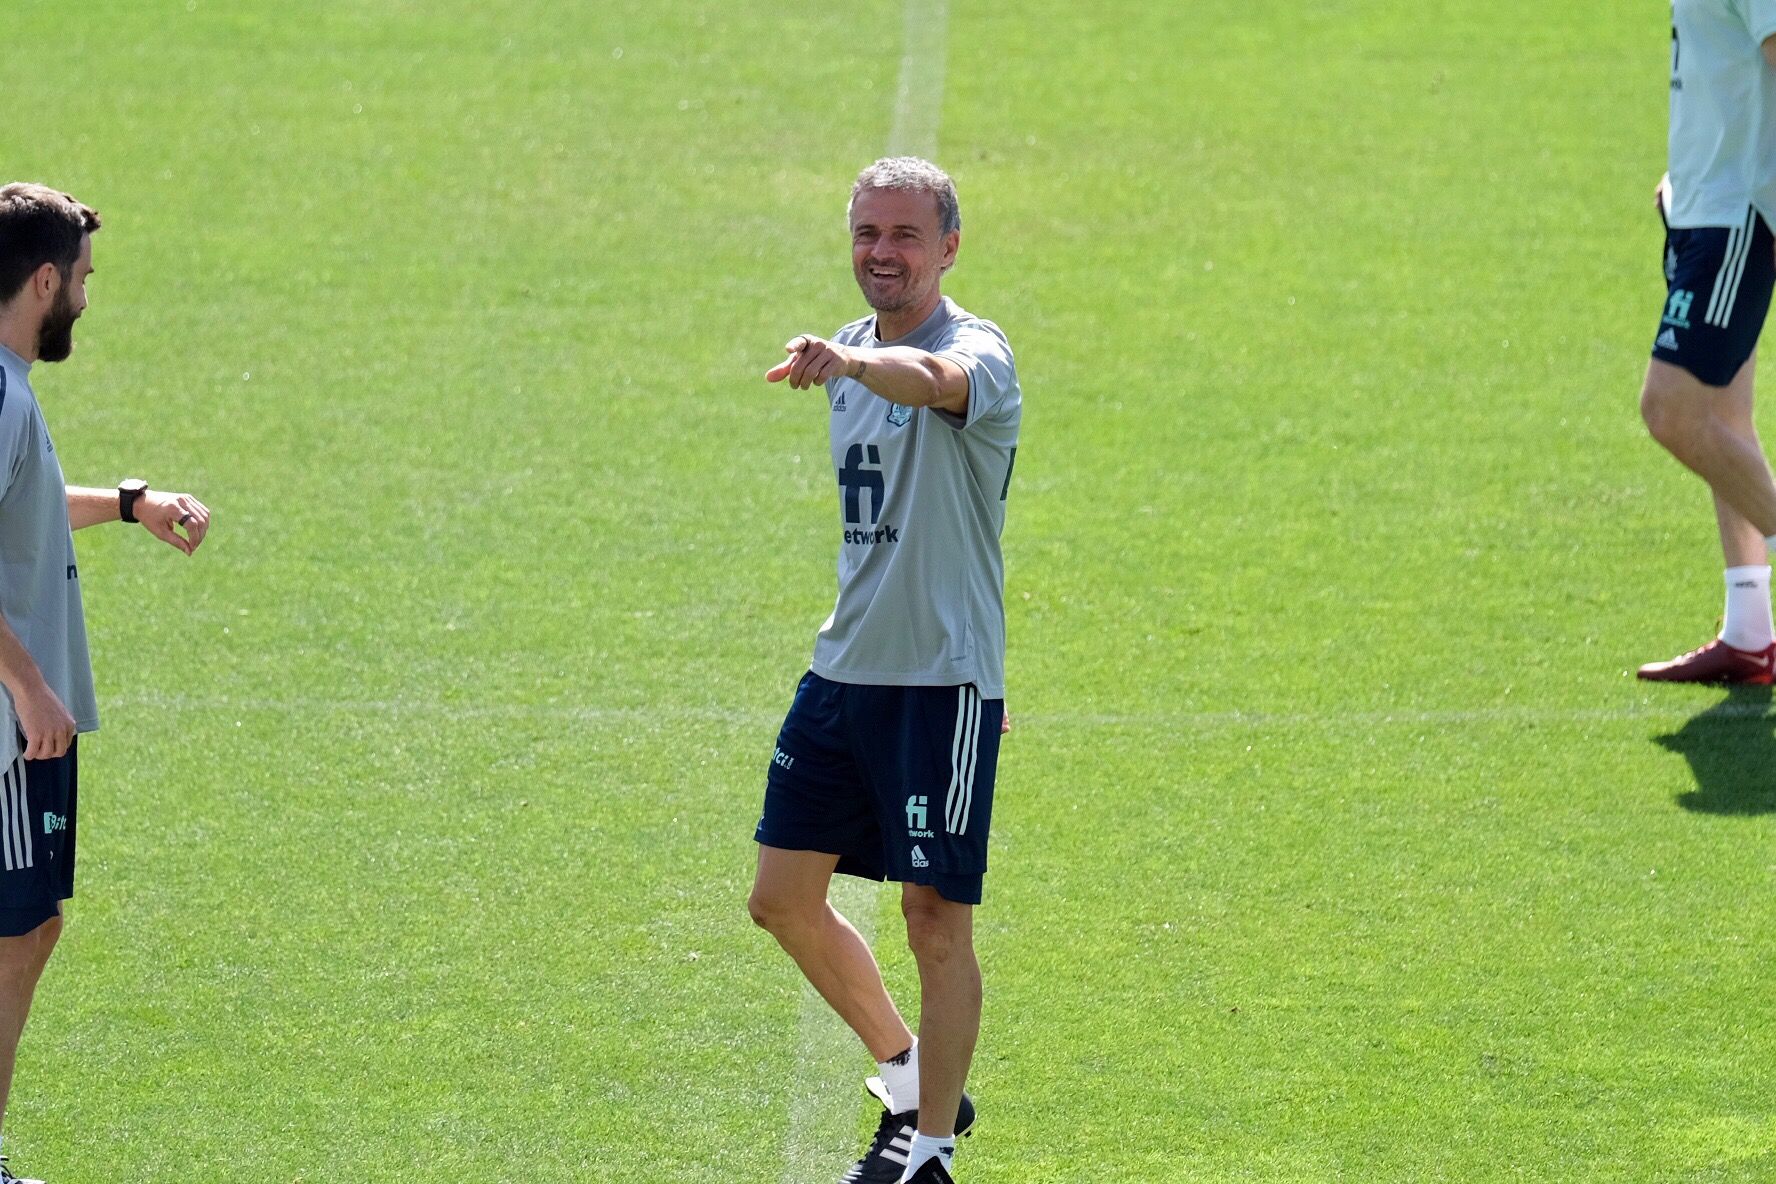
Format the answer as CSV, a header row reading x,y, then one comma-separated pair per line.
x,y
19,418
17,400
963,324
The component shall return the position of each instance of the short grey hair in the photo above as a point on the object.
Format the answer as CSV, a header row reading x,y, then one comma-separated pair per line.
x,y
913,174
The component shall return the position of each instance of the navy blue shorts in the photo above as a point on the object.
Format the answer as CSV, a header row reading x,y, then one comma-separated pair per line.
x,y
895,781
1718,281
37,810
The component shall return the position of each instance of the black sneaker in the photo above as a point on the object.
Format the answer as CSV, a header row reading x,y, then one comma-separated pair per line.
x,y
6,1176
932,1172
887,1155
878,1090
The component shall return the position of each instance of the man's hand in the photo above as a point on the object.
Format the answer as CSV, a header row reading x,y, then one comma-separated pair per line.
x,y
165,513
812,360
1662,195
47,726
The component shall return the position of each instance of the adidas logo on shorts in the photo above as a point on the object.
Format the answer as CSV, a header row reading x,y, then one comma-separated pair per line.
x,y
1667,340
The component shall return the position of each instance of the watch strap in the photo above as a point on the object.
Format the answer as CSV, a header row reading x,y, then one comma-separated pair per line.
x,y
127,493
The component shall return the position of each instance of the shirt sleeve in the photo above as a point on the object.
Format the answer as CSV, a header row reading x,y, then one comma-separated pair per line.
x,y
1760,15
985,356
15,432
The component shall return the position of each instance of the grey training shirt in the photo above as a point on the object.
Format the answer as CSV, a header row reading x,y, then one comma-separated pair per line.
x,y
1723,112
39,584
922,503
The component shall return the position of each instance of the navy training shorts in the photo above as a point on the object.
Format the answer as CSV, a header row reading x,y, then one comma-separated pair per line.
x,y
1718,281
895,781
38,801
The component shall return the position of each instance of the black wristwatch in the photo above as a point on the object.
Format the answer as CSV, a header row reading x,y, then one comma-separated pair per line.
x,y
127,493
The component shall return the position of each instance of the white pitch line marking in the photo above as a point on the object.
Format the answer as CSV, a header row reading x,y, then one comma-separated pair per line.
x,y
822,1111
827,1077
1026,722
918,100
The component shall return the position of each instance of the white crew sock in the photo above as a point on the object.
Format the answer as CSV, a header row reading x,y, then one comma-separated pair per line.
x,y
901,1076
1748,625
926,1147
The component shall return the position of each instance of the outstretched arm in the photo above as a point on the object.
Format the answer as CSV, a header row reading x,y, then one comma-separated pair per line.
x,y
162,513
900,374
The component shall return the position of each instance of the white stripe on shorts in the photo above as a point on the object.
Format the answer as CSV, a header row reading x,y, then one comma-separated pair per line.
x,y
1726,284
21,819
24,812
968,710
956,753
974,728
1750,236
1720,276
6,817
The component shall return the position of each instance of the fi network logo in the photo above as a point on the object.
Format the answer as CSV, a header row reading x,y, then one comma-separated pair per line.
x,y
1677,309
54,822
918,815
858,477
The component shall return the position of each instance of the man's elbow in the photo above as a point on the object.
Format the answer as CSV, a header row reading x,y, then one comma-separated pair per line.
x,y
929,391
947,385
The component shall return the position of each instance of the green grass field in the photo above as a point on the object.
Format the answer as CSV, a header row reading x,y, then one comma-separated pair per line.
x,y
1335,841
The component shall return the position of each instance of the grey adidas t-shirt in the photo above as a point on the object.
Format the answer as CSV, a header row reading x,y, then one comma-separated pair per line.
x,y
39,583
922,504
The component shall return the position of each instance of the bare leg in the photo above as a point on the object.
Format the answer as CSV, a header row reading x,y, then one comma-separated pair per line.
x,y
1741,544
941,933
1687,417
789,900
22,960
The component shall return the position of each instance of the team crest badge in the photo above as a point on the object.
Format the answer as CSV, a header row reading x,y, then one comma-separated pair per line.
x,y
899,414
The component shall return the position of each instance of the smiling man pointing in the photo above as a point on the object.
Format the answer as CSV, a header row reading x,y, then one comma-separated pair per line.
x,y
885,765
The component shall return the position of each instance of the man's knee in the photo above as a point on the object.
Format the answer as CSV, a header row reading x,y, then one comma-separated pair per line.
x,y
782,915
25,955
763,909
938,930
1680,411
1674,417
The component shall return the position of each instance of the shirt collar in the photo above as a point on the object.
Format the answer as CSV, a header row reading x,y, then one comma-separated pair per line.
x,y
943,306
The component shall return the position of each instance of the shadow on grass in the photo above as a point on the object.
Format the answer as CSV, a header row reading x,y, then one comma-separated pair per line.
x,y
1731,748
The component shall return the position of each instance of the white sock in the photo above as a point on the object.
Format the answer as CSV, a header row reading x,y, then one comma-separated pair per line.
x,y
926,1147
901,1076
1748,625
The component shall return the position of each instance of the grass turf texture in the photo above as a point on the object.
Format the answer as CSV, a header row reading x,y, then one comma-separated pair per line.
x,y
1333,844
